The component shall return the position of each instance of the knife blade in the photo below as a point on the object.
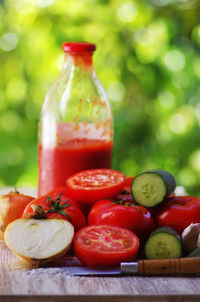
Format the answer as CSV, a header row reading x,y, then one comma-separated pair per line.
x,y
181,266
92,271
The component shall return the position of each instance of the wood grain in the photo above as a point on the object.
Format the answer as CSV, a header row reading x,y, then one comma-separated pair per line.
x,y
18,282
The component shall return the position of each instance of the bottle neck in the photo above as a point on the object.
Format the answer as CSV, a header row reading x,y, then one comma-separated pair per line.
x,y
82,60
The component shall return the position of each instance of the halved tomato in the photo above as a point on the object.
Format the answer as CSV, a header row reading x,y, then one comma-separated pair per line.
x,y
105,245
89,186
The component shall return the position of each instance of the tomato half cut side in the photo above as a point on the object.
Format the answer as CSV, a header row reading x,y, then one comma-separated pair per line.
x,y
89,186
105,245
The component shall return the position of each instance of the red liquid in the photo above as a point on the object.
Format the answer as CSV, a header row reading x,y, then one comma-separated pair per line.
x,y
56,164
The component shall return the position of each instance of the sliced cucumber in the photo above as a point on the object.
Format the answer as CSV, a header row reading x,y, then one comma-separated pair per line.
x,y
163,243
149,188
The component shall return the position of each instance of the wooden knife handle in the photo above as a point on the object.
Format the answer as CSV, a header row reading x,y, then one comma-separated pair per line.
x,y
169,266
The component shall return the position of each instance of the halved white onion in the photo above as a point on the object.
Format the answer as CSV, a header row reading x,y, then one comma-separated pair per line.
x,y
39,240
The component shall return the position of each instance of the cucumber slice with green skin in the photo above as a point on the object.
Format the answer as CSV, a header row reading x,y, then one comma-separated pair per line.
x,y
163,243
151,187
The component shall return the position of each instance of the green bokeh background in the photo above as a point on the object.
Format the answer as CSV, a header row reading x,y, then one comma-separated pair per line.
x,y
147,59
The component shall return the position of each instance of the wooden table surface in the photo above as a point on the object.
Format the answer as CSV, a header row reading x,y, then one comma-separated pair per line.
x,y
20,283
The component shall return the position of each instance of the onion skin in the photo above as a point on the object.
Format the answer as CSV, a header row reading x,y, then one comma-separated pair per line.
x,y
39,241
191,237
12,206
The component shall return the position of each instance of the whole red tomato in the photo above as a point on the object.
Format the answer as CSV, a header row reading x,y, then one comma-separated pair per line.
x,y
105,245
127,197
127,185
55,204
65,191
178,212
124,214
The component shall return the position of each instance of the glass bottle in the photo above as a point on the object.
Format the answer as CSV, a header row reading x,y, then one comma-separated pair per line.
x,y
76,125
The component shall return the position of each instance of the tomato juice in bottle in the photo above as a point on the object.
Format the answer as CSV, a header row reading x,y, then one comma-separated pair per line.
x,y
76,131
73,157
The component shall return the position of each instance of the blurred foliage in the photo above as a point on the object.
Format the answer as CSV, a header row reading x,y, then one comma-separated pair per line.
x,y
147,58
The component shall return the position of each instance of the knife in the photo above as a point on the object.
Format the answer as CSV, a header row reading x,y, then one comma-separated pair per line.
x,y
181,266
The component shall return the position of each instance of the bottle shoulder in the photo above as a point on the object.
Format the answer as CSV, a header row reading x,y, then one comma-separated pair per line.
x,y
76,92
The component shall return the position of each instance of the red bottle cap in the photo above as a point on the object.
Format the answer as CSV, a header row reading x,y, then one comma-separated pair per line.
x,y
78,46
